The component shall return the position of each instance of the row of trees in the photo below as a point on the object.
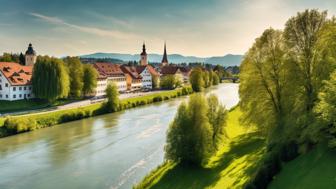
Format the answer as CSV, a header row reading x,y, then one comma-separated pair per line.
x,y
9,57
197,130
287,82
54,78
200,79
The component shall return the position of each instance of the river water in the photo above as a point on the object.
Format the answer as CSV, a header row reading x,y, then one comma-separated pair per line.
x,y
111,151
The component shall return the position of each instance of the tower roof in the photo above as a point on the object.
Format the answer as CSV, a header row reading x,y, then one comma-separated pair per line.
x,y
30,50
143,49
165,57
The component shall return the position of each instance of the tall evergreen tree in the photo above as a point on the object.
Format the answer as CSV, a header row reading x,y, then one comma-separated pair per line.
x,y
76,73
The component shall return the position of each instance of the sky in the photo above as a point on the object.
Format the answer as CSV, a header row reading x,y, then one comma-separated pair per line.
x,y
190,27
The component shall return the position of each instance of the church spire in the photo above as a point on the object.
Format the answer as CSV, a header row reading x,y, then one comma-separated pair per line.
x,y
164,61
143,55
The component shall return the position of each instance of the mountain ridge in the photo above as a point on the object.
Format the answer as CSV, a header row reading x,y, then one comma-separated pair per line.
x,y
226,60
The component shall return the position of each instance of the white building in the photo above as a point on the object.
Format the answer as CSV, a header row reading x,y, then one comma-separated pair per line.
x,y
15,81
147,73
109,73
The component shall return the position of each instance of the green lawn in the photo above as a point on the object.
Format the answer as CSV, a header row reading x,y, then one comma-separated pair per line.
x,y
231,167
314,170
23,105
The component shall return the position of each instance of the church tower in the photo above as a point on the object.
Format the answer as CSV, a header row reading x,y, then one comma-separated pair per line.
x,y
143,60
30,55
164,61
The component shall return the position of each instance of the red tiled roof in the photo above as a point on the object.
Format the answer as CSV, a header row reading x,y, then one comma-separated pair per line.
x,y
108,69
16,74
151,70
132,71
170,70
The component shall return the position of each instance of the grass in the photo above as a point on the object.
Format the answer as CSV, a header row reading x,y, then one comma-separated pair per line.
x,y
231,167
315,169
31,104
16,124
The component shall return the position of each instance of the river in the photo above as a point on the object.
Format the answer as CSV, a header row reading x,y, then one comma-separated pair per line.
x,y
111,151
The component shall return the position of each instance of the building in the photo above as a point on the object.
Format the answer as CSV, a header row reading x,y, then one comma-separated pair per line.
x,y
172,70
109,73
15,81
133,78
143,56
148,74
164,61
30,56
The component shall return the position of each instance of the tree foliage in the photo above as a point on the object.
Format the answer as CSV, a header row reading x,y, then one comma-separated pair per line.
x,y
50,79
197,80
89,79
169,82
76,74
112,95
196,130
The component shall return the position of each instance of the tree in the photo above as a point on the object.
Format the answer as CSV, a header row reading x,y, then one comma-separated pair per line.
x,y
6,57
22,59
206,79
217,116
196,79
263,83
50,79
326,110
168,82
215,79
189,138
89,79
112,95
76,74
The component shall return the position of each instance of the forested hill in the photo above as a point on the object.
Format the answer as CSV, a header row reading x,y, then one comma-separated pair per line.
x,y
227,60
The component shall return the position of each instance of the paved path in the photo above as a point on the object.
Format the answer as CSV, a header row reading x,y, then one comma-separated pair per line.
x,y
79,104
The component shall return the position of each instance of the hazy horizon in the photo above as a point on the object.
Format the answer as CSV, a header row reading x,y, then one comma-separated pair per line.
x,y
191,28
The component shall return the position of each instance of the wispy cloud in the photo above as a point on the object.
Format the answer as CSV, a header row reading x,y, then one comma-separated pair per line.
x,y
92,30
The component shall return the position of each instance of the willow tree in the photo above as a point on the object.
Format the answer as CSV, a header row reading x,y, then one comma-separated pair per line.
x,y
262,82
50,79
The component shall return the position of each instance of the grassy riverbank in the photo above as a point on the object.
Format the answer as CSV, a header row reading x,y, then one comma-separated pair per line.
x,y
31,104
315,169
29,122
231,167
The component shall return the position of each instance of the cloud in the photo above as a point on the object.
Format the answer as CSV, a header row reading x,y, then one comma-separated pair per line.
x,y
92,30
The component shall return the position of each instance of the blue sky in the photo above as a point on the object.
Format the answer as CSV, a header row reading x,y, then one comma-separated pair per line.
x,y
190,27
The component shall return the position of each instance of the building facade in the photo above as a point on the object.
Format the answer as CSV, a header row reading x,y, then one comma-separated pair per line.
x,y
109,73
133,78
15,81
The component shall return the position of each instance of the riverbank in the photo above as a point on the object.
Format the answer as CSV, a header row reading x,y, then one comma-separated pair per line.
x,y
17,124
230,167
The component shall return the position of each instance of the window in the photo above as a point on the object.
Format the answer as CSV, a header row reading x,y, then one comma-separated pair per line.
x,y
29,88
28,95
6,84
0,87
20,95
14,88
24,88
20,88
6,96
0,95
14,96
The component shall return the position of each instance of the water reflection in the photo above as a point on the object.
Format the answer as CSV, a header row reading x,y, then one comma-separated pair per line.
x,y
110,151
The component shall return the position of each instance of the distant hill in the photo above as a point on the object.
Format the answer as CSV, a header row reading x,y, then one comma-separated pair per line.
x,y
227,60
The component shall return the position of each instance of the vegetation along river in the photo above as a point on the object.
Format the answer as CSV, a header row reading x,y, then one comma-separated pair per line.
x,y
110,151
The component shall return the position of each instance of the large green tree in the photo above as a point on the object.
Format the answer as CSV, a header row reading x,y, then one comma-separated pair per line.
x,y
112,95
76,74
197,80
89,79
262,82
50,79
189,138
